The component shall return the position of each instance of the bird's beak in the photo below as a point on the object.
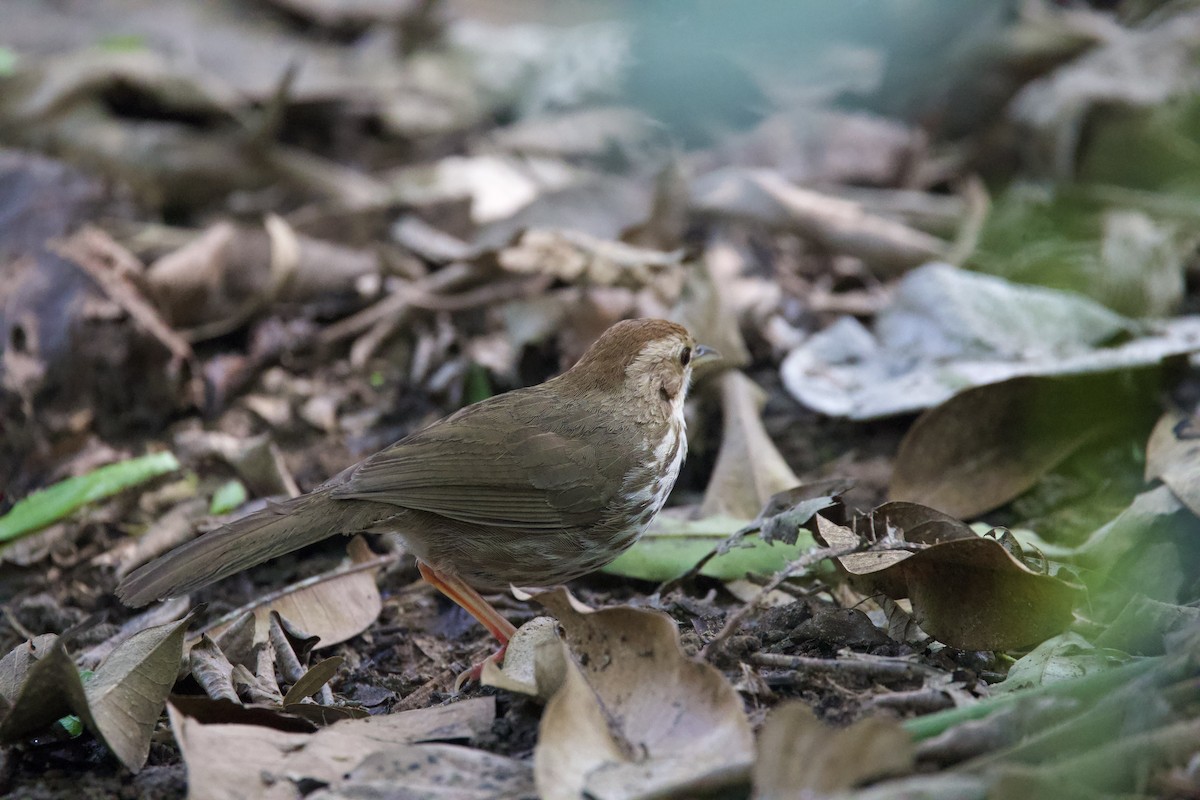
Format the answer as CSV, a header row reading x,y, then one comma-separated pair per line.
x,y
704,351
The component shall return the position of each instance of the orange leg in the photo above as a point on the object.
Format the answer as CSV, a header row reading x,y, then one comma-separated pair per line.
x,y
460,592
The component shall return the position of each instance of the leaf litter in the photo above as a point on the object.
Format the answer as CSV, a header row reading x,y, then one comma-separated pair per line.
x,y
372,215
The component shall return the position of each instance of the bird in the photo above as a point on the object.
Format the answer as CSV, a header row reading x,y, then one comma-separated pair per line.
x,y
533,487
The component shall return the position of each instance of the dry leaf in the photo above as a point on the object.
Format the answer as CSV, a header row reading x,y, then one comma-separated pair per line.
x,y
988,445
1173,456
798,756
749,469
335,606
635,716
121,703
533,662
967,591
239,760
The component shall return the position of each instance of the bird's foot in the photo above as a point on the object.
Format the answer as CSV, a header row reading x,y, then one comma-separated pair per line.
x,y
475,673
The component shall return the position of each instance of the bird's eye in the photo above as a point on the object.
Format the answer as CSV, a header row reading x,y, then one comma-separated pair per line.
x,y
686,356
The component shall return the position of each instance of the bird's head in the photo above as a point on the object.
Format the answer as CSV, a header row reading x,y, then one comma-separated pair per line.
x,y
649,361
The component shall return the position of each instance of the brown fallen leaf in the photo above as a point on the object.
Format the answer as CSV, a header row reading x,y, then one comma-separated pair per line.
x,y
635,716
334,606
120,704
967,591
226,275
798,756
990,444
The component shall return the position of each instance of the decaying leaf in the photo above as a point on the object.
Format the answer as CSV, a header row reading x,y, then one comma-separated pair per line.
x,y
120,704
798,756
990,444
635,716
335,606
967,591
240,760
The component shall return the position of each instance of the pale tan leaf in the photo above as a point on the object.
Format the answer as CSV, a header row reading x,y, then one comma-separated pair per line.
x,y
238,760
635,716
749,468
335,606
798,756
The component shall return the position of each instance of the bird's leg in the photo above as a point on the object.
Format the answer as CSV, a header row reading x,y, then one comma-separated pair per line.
x,y
460,592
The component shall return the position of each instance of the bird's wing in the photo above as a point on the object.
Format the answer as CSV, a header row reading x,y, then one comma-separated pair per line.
x,y
491,468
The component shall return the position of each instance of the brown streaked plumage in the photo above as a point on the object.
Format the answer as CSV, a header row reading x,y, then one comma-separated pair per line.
x,y
533,487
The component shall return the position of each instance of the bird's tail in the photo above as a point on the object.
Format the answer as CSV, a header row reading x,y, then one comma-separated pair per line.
x,y
280,528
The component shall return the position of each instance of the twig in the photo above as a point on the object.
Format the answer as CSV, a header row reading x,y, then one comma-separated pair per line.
x,y
398,302
107,263
925,700
978,203
875,668
720,549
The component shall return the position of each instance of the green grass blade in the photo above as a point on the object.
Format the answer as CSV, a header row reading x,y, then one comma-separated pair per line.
x,y
65,497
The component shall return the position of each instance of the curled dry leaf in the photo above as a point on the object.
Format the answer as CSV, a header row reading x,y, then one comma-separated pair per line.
x,y
533,662
967,591
798,756
988,445
120,704
241,760
335,606
634,715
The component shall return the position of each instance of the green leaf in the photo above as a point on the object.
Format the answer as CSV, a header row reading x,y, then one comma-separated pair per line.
x,y
63,498
227,497
673,546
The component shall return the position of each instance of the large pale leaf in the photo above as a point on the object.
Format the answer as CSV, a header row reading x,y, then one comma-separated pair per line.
x,y
634,715
749,468
948,330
